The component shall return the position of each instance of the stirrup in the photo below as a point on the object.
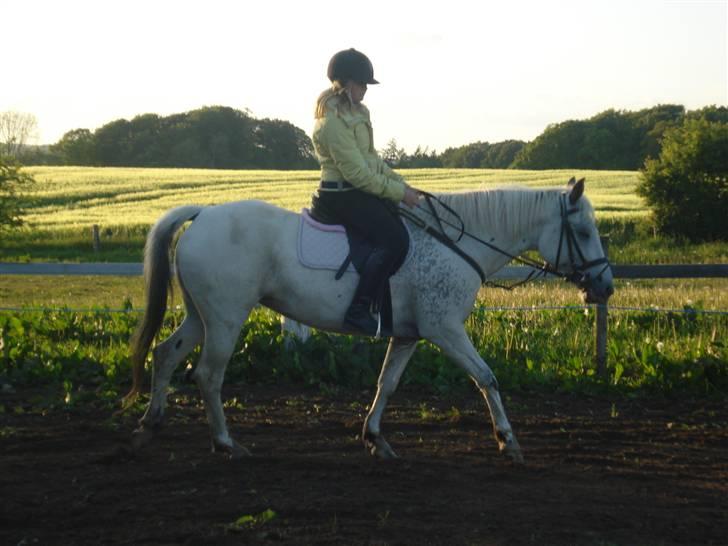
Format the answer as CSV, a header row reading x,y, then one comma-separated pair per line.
x,y
359,319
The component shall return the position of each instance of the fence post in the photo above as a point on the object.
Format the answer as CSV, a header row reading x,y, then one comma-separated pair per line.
x,y
601,325
96,238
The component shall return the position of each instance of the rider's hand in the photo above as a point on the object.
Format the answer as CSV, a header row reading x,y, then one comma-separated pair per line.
x,y
411,196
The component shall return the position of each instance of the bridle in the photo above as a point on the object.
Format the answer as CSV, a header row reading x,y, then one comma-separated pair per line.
x,y
579,274
579,271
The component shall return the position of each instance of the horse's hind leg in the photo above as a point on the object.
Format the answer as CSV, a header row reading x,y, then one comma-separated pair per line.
x,y
220,338
166,357
398,354
458,346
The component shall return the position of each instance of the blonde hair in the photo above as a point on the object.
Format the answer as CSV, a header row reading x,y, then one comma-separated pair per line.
x,y
337,88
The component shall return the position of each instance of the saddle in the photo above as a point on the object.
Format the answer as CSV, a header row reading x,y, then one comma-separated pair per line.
x,y
326,245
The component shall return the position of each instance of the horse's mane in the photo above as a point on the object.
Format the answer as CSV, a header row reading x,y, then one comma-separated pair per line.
x,y
502,212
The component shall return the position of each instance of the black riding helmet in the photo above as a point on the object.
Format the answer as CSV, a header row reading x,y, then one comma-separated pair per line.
x,y
351,64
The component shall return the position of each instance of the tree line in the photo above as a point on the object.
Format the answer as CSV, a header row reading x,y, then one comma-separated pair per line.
x,y
610,140
214,137
222,137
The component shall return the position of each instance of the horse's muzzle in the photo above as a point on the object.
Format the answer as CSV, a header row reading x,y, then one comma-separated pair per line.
x,y
595,288
598,295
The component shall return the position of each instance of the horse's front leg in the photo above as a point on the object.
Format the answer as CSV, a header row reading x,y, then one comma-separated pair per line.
x,y
457,345
398,354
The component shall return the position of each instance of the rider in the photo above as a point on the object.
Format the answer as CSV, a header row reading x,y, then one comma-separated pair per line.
x,y
357,188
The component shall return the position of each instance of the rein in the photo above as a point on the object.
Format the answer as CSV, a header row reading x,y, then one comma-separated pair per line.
x,y
441,235
578,276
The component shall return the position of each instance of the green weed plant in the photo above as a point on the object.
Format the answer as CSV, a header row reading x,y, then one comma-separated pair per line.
x,y
85,355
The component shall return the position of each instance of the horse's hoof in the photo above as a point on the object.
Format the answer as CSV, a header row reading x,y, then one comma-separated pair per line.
x,y
514,455
512,450
234,451
379,448
239,451
141,437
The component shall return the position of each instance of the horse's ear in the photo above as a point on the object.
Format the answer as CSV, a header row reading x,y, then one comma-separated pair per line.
x,y
571,182
577,190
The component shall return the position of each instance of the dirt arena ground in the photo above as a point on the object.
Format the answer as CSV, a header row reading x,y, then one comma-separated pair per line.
x,y
597,472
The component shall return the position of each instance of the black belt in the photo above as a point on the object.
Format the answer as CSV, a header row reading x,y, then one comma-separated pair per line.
x,y
336,186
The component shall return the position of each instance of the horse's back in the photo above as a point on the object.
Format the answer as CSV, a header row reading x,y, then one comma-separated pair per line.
x,y
250,216
248,209
232,231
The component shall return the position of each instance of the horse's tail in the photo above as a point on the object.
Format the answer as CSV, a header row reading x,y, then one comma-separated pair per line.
x,y
157,283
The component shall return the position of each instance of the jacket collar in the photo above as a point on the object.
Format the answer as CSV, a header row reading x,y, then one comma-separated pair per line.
x,y
349,115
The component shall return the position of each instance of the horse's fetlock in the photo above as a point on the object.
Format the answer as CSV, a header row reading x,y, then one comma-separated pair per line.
x,y
504,437
369,436
153,419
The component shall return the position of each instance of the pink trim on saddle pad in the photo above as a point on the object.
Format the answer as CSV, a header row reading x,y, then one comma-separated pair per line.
x,y
318,225
325,246
322,246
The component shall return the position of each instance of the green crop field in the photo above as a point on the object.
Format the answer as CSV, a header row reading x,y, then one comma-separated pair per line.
x,y
124,202
78,197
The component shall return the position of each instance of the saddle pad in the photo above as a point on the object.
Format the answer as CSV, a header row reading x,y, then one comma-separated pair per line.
x,y
322,246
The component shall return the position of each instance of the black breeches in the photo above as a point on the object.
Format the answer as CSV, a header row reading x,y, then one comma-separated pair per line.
x,y
376,220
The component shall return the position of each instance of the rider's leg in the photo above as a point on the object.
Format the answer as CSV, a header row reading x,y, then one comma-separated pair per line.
x,y
375,272
377,221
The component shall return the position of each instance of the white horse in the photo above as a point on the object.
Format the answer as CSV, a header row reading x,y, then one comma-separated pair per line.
x,y
237,255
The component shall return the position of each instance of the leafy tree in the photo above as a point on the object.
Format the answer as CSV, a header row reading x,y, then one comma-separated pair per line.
x,y
280,144
687,186
76,147
215,137
469,156
421,158
40,154
114,144
145,149
392,154
610,140
12,202
482,155
652,124
501,154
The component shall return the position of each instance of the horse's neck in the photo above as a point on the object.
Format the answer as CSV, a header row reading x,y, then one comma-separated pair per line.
x,y
509,219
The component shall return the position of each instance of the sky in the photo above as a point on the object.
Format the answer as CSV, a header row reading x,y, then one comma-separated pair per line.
x,y
451,72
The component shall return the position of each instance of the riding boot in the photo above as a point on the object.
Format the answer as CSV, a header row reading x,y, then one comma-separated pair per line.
x,y
359,315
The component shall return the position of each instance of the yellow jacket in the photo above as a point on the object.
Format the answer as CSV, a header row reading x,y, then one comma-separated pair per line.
x,y
344,145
